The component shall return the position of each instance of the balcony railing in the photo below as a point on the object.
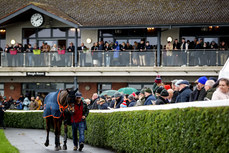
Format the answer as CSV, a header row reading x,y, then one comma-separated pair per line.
x,y
117,58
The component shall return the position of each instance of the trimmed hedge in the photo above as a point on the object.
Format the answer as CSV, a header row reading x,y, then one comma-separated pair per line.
x,y
177,130
33,120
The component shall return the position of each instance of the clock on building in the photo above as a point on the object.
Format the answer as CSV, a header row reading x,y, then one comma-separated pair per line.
x,y
37,20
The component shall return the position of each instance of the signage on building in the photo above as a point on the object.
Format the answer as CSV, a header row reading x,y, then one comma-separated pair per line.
x,y
35,73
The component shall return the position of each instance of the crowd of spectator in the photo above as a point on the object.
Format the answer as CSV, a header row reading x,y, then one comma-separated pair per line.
x,y
22,103
176,92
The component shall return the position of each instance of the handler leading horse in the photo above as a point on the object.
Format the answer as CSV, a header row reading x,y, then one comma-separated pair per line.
x,y
54,106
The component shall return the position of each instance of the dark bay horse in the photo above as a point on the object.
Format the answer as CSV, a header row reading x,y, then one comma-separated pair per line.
x,y
55,104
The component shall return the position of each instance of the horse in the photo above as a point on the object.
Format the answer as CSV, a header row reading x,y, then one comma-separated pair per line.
x,y
55,104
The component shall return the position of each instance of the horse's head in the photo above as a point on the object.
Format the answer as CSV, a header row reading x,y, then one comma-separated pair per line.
x,y
71,96
71,99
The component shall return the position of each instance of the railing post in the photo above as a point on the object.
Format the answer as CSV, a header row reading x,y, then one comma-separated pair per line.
x,y
103,59
162,58
23,59
49,59
187,58
79,60
217,58
130,58
72,59
1,58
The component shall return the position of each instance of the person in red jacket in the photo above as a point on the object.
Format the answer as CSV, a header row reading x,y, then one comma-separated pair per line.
x,y
78,120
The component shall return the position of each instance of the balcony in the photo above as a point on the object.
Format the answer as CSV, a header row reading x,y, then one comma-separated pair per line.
x,y
101,59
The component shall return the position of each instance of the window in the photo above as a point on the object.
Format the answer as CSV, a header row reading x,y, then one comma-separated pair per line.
x,y
139,86
60,32
2,89
44,33
29,33
103,87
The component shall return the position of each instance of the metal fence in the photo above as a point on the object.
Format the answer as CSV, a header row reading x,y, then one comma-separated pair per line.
x,y
37,60
117,58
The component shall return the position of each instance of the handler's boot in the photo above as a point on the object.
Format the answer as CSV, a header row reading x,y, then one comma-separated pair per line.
x,y
75,148
81,146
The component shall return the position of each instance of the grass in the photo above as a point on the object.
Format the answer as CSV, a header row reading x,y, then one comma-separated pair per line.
x,y
5,146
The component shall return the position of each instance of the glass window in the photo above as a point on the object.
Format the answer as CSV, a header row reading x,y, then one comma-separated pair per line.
x,y
109,40
29,33
131,41
2,89
103,86
71,32
59,86
73,40
136,86
2,33
152,40
120,41
69,85
3,43
148,86
44,33
60,32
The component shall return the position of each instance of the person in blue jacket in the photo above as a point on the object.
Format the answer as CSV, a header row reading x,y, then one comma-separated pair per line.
x,y
149,98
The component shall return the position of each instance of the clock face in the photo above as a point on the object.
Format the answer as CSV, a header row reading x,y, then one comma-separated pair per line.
x,y
37,20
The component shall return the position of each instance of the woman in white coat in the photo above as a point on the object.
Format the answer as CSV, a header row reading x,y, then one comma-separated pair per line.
x,y
222,92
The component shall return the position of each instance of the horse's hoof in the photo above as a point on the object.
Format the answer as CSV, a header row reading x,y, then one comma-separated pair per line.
x,y
46,144
56,149
64,147
59,147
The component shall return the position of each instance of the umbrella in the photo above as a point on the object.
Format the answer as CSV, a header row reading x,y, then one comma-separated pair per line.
x,y
127,90
108,93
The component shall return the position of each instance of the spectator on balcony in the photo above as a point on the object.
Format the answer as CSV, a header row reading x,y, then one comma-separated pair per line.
x,y
149,98
71,47
183,57
223,55
214,45
20,48
100,49
129,46
124,56
107,54
199,93
168,60
209,89
7,48
184,91
142,49
16,47
116,49
222,92
135,54
94,50
54,56
176,45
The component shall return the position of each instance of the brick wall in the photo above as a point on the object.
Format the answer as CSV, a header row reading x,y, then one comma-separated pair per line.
x,y
116,86
15,93
88,93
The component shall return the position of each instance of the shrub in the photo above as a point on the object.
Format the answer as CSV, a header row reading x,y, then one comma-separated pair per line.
x,y
177,130
33,120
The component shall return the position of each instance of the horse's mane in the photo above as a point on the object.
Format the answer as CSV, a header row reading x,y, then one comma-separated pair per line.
x,y
63,96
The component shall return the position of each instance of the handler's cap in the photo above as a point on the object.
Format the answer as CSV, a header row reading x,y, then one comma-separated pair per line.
x,y
78,94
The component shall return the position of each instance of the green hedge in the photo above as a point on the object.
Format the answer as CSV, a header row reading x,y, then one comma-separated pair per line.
x,y
32,120
178,130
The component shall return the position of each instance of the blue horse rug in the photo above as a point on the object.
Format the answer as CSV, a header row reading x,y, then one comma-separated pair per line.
x,y
51,106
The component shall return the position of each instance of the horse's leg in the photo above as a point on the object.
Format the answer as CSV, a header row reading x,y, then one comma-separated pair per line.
x,y
57,133
47,129
65,136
